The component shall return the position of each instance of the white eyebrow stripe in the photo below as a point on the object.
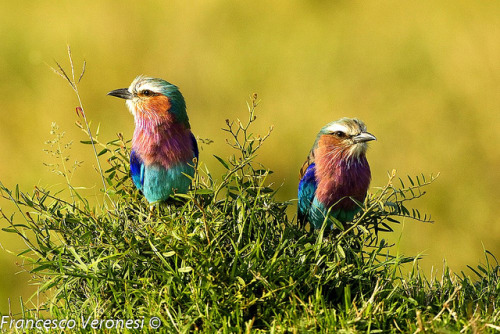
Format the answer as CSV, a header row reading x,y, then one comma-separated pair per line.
x,y
149,86
337,127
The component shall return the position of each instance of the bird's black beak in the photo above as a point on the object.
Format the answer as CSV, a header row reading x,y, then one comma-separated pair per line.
x,y
122,93
363,137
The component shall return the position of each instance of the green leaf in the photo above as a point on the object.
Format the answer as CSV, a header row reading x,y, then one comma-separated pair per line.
x,y
337,223
80,264
169,254
204,191
222,162
411,181
102,152
340,250
41,267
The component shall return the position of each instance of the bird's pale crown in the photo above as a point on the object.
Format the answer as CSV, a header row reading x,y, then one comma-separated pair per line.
x,y
349,126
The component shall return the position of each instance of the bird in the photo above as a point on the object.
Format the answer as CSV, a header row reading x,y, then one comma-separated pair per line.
x,y
164,150
335,172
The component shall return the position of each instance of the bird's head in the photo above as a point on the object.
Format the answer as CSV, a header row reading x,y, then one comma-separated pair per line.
x,y
347,135
154,99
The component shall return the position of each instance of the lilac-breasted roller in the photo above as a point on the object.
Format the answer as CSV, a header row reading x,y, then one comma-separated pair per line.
x,y
335,171
163,147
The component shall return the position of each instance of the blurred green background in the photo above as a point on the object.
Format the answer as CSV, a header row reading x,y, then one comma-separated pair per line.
x,y
424,76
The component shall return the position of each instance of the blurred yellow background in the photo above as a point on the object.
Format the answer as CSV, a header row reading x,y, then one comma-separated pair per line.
x,y
424,76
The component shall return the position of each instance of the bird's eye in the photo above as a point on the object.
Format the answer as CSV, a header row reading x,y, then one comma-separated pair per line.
x,y
339,134
146,92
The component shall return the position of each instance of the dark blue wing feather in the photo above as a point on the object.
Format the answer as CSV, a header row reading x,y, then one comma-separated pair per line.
x,y
137,169
195,147
307,190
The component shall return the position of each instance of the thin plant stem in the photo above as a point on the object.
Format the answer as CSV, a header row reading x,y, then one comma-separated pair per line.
x,y
66,176
81,111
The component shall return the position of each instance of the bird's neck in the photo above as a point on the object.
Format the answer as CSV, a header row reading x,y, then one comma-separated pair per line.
x,y
162,141
340,175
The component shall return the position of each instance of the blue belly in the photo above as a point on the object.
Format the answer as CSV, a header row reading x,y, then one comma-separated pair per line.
x,y
159,182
